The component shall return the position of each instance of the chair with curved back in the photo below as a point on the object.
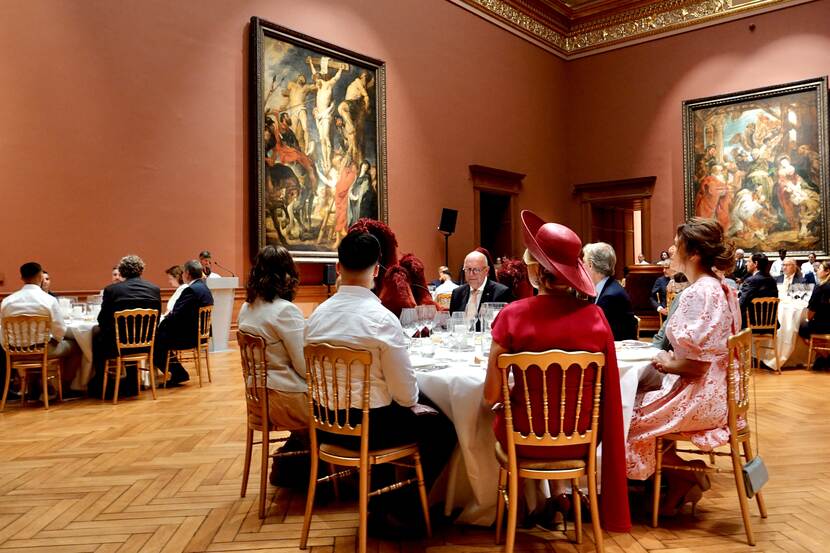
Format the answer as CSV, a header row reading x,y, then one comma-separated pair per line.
x,y
819,343
254,375
135,336
568,422
331,373
762,319
738,402
25,339
194,354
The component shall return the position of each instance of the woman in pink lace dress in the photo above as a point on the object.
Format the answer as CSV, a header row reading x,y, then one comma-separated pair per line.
x,y
694,400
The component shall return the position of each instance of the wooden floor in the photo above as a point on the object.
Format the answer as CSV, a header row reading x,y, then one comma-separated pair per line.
x,y
164,476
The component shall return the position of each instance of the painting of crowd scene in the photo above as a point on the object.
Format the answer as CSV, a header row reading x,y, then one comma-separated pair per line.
x,y
320,163
757,163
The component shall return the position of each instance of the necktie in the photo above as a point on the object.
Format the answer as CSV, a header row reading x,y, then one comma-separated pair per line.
x,y
472,305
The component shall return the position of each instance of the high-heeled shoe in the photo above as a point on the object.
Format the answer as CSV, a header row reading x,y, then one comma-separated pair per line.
x,y
558,504
692,495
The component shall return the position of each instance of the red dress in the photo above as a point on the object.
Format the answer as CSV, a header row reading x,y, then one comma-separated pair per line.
x,y
553,322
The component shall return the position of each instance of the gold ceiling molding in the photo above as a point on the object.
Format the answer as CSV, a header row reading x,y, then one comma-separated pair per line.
x,y
574,29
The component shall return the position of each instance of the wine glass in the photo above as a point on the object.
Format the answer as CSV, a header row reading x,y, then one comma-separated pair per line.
x,y
409,321
426,314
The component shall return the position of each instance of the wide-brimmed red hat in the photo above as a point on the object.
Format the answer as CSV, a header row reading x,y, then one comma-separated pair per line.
x,y
557,249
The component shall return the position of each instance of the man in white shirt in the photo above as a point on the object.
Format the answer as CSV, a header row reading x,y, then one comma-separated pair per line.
x,y
32,300
354,317
207,264
807,266
777,265
446,285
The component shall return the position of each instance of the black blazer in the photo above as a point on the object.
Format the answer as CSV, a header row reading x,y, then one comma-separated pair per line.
x,y
755,286
796,279
493,291
616,305
180,326
133,293
659,288
740,272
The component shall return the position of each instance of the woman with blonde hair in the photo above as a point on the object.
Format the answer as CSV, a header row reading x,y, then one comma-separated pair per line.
x,y
694,400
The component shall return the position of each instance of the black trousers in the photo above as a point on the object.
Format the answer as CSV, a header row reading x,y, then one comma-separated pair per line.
x,y
165,341
394,425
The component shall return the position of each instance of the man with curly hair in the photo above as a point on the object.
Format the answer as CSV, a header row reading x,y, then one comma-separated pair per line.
x,y
133,292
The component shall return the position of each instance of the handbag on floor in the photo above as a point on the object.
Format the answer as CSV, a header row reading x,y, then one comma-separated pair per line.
x,y
755,471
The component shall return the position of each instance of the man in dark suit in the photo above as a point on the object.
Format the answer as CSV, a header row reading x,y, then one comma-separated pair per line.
x,y
180,328
658,291
757,285
789,273
612,298
741,271
132,292
478,289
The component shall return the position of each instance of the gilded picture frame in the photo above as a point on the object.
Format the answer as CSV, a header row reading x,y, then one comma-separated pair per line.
x,y
318,141
757,162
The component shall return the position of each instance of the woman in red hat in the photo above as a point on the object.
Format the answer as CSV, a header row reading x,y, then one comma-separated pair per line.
x,y
558,319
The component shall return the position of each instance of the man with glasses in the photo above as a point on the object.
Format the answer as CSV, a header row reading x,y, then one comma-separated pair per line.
x,y
478,288
789,274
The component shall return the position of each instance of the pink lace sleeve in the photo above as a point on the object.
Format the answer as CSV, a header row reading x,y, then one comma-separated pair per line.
x,y
702,323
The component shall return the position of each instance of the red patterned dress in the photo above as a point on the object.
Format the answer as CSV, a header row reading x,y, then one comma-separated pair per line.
x,y
706,316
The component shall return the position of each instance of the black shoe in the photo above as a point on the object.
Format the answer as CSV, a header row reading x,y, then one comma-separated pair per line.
x,y
386,526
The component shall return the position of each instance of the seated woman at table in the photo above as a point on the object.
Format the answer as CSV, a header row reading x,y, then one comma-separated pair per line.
x,y
174,278
268,312
707,314
547,321
405,285
818,309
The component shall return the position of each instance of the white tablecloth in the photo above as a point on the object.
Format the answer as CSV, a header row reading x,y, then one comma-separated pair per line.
x,y
791,313
455,383
81,331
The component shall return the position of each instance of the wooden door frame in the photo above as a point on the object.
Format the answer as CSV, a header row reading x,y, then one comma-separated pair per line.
x,y
636,191
497,181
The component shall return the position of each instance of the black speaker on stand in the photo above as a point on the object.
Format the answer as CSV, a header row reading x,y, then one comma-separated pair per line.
x,y
329,276
447,227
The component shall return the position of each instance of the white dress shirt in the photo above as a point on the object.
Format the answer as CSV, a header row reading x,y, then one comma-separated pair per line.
x,y
172,301
445,287
214,275
282,325
775,270
354,317
807,267
32,300
467,309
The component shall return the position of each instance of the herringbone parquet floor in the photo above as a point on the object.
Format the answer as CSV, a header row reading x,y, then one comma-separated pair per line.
x,y
163,476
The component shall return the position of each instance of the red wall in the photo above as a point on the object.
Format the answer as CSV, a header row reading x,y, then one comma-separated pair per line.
x,y
627,103
125,125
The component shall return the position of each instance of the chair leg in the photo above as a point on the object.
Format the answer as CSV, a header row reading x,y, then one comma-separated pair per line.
x,y
309,500
117,380
655,503
452,481
166,369
810,354
6,385
762,507
335,482
595,522
512,510
246,469
106,374
59,384
363,508
775,349
152,372
577,512
500,504
422,491
198,363
263,472
44,378
739,485
24,387
207,361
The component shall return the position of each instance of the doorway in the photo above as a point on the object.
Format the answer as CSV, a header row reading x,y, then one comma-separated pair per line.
x,y
496,223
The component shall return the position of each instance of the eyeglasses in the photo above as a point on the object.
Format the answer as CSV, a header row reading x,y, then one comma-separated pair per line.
x,y
474,270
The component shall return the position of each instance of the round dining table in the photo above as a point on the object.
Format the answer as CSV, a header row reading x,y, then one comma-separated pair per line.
x,y
454,381
81,330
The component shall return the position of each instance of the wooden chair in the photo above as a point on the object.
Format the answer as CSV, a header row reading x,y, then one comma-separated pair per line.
x,y
660,315
443,301
818,343
764,313
576,430
333,388
25,339
738,397
637,331
194,354
135,336
254,375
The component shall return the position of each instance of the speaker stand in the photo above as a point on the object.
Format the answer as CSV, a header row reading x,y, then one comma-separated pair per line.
x,y
446,248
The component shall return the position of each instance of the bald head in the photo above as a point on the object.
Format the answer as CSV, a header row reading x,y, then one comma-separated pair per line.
x,y
475,269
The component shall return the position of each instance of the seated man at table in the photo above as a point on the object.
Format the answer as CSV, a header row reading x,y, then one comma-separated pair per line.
x,y
32,300
477,289
612,298
180,328
131,292
789,274
354,317
759,284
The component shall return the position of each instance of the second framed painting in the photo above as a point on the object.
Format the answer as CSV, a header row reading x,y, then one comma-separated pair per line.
x,y
318,148
757,162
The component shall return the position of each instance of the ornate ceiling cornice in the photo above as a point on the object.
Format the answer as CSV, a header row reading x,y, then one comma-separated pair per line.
x,y
576,28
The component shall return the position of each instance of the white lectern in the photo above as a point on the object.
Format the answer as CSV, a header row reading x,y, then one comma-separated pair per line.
x,y
222,289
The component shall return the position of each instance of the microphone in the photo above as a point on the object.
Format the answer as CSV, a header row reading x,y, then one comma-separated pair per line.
x,y
225,268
